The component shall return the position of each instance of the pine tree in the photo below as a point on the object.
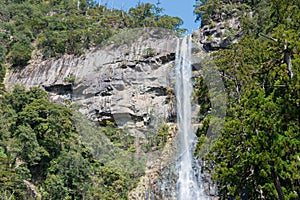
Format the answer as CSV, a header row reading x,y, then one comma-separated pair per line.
x,y
257,155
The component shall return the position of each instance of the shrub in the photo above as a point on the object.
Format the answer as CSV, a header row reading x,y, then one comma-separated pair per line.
x,y
20,54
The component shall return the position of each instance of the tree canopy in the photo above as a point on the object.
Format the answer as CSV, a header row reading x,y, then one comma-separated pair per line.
x,y
41,153
258,153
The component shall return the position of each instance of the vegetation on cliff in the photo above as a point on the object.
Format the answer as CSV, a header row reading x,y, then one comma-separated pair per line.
x,y
41,152
257,155
49,28
47,150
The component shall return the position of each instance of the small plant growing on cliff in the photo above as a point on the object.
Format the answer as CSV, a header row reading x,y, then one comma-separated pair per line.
x,y
210,38
158,140
170,94
149,52
212,24
71,78
169,91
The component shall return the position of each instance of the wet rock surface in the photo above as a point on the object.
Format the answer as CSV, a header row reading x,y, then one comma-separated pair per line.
x,y
159,181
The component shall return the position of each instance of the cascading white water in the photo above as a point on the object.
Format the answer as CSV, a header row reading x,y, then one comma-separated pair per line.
x,y
188,186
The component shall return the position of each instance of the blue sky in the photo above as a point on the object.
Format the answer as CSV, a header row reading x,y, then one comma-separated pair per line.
x,y
180,8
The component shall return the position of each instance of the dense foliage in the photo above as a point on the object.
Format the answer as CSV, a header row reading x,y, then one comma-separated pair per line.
x,y
49,151
258,153
41,154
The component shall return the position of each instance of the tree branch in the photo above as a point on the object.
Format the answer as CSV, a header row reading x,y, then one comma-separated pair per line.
x,y
268,37
287,54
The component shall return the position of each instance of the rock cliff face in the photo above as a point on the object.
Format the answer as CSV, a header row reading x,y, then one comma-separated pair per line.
x,y
224,29
123,82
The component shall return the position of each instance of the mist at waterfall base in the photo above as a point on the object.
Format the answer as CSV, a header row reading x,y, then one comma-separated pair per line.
x,y
189,187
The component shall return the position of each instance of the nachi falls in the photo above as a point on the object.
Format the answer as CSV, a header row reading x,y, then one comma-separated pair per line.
x,y
188,186
140,82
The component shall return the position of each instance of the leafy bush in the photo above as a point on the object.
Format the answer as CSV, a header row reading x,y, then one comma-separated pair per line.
x,y
71,78
20,54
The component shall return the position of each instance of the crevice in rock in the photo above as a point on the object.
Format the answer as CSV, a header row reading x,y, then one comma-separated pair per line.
x,y
105,118
136,118
59,89
63,90
159,91
105,92
167,58
146,119
161,59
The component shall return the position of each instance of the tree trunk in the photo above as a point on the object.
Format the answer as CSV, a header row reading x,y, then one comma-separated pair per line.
x,y
288,59
277,183
287,54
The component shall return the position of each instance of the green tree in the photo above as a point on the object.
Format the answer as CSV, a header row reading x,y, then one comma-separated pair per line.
x,y
68,176
40,146
257,154
20,54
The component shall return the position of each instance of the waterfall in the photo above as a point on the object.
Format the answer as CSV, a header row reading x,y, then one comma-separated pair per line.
x,y
189,186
